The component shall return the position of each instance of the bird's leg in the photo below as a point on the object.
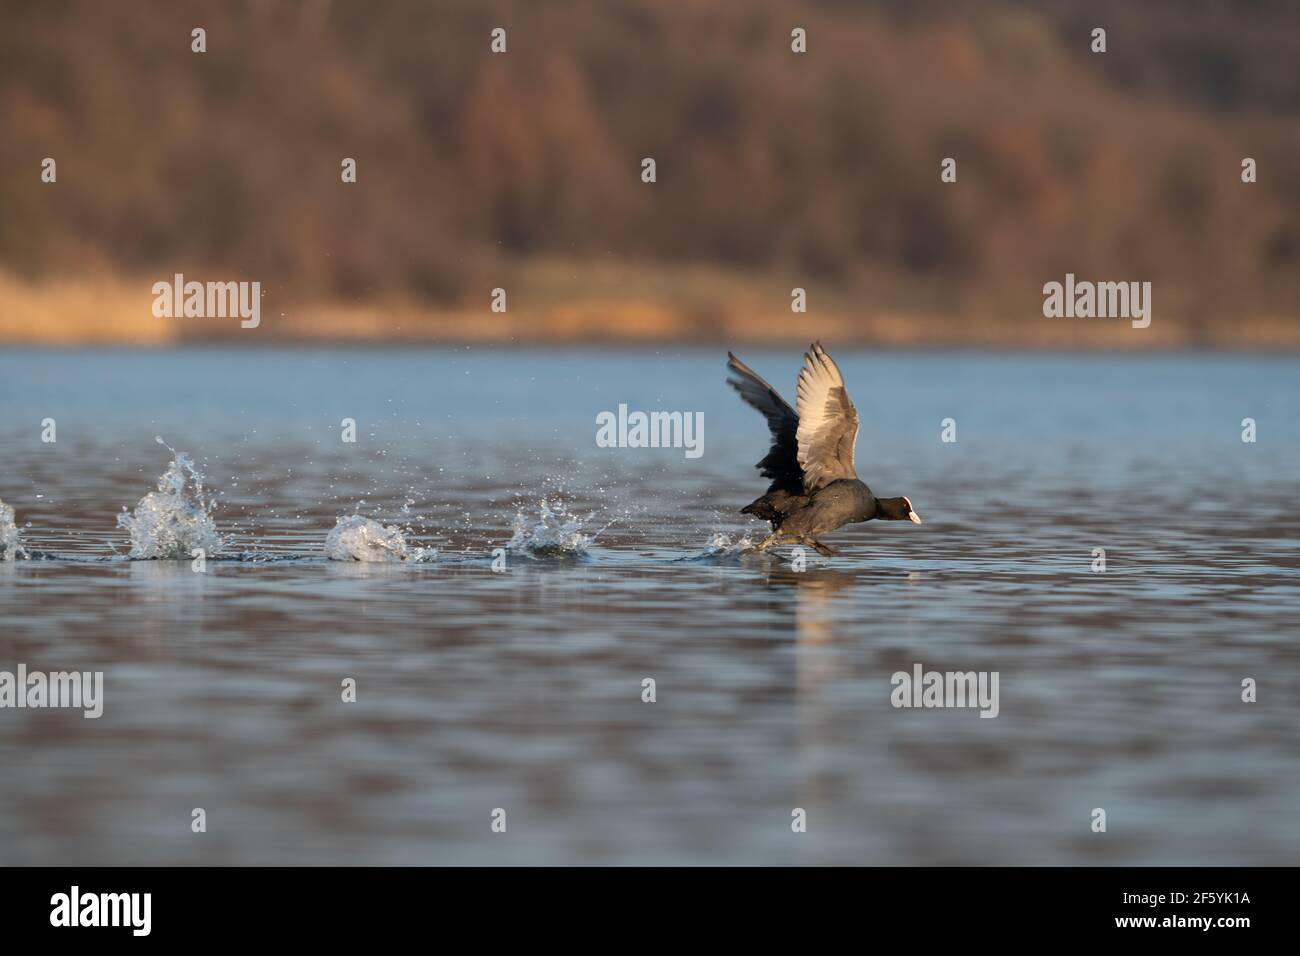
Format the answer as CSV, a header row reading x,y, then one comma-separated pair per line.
x,y
776,537
822,549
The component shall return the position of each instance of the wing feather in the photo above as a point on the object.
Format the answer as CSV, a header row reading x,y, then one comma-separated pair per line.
x,y
827,433
782,461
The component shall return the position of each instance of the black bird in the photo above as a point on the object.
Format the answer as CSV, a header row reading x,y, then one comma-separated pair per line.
x,y
815,488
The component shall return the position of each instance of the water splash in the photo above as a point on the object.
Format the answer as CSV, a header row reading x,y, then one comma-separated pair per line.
x,y
554,533
11,545
722,546
175,520
357,538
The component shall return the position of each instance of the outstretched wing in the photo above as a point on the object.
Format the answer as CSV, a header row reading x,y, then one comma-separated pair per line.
x,y
782,461
828,422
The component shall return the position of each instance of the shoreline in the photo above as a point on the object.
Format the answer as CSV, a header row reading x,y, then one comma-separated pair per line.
x,y
723,309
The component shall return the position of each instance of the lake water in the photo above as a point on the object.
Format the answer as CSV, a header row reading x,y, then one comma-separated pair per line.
x,y
521,688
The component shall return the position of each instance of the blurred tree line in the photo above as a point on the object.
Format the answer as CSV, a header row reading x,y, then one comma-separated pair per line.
x,y
1123,165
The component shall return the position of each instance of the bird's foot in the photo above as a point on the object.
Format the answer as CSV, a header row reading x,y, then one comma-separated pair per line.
x,y
776,538
822,549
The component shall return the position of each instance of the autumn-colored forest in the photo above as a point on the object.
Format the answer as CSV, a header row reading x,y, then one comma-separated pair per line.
x,y
775,169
